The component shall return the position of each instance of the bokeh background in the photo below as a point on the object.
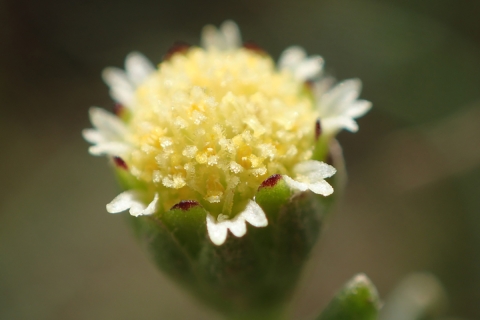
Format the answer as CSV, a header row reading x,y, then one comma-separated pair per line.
x,y
413,198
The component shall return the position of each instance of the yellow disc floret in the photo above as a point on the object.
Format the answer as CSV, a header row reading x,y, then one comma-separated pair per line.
x,y
211,125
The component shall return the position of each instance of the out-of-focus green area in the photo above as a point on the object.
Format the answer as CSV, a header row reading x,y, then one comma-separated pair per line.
x,y
413,198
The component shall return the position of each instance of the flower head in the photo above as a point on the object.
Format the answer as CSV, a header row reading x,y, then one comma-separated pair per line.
x,y
211,123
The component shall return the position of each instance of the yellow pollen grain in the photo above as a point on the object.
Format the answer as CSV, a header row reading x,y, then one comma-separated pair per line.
x,y
211,125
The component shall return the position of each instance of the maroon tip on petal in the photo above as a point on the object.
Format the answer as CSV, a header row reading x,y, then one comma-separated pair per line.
x,y
118,109
120,163
177,47
250,45
185,205
318,129
270,181
309,84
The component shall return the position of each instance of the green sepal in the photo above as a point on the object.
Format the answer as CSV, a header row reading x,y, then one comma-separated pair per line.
x,y
272,195
251,277
357,300
127,181
187,222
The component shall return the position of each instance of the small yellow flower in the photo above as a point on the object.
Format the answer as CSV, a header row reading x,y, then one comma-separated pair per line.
x,y
211,123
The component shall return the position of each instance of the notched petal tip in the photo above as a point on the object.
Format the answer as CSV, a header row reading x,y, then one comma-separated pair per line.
x,y
231,34
138,67
122,202
254,215
218,229
310,176
132,200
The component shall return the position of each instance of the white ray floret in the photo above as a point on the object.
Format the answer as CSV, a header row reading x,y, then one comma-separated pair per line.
x,y
218,228
108,134
124,83
339,106
310,175
295,60
227,37
133,200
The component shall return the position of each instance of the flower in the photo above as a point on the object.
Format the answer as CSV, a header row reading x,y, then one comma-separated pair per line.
x,y
212,123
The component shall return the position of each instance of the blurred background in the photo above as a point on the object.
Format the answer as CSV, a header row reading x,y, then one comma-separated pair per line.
x,y
413,198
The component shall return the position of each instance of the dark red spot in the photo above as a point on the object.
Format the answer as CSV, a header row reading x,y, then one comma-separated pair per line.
x,y
185,205
270,181
177,47
318,129
250,45
309,84
118,109
120,163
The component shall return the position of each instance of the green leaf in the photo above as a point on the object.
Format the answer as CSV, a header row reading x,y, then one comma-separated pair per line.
x,y
357,300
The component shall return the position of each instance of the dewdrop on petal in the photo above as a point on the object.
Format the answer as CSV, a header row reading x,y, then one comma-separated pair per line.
x,y
209,125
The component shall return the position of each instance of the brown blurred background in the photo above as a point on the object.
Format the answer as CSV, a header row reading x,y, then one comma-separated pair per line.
x,y
412,202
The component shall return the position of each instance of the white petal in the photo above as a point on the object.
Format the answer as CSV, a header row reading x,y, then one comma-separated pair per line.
x,y
332,125
121,89
339,98
293,184
309,68
109,148
314,170
123,95
237,226
231,34
254,215
291,57
109,125
93,136
211,38
322,187
124,201
139,209
132,200
138,67
358,109
322,86
216,231
115,77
